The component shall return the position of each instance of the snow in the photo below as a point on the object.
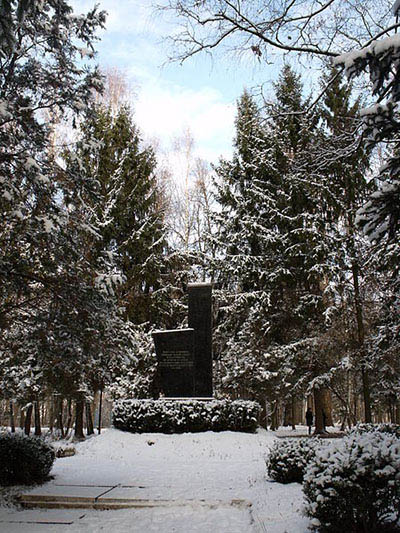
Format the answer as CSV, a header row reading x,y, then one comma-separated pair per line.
x,y
375,48
159,331
31,163
200,474
376,109
85,52
4,113
47,223
7,196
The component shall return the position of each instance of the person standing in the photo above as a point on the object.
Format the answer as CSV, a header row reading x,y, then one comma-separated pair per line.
x,y
309,419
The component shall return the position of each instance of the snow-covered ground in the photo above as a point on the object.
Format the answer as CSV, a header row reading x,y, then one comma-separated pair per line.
x,y
204,471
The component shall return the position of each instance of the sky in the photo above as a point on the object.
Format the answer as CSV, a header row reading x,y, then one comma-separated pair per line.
x,y
201,94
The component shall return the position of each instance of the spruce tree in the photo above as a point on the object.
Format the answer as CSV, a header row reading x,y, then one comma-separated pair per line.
x,y
341,163
380,215
42,72
269,232
242,241
127,209
52,297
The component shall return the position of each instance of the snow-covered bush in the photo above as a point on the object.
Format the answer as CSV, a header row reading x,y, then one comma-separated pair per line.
x,y
288,459
173,416
392,429
23,459
355,487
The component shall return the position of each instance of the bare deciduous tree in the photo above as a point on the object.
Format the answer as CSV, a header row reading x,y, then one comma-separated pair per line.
x,y
315,27
118,90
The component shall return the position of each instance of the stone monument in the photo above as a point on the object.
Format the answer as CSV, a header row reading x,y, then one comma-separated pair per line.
x,y
185,355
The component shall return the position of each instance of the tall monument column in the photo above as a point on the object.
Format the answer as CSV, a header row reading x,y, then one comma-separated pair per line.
x,y
200,319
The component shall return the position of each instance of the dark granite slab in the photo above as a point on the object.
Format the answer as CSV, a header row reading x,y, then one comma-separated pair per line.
x,y
175,355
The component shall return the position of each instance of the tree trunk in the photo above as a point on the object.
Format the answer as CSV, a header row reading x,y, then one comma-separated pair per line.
x,y
21,419
12,420
293,405
44,413
59,416
100,409
287,412
89,419
28,419
327,406
69,417
356,417
366,394
319,405
52,409
274,417
361,336
38,429
263,414
79,407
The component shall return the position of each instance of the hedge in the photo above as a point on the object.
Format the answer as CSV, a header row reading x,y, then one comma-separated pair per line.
x,y
391,429
180,416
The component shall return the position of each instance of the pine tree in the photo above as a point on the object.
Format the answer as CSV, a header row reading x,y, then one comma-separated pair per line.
x,y
380,215
305,246
287,236
242,241
340,165
127,209
55,317
269,233
42,72
127,215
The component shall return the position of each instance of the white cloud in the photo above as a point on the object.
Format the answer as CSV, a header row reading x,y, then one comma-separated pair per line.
x,y
164,111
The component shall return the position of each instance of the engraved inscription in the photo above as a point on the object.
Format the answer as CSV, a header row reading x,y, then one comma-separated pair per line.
x,y
176,359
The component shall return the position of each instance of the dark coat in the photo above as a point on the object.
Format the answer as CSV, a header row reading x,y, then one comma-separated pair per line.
x,y
309,418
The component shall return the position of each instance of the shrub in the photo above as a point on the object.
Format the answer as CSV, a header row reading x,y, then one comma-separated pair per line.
x,y
392,429
288,459
355,487
23,459
172,416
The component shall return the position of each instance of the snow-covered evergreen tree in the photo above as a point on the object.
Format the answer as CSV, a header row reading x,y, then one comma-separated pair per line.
x,y
274,256
340,166
289,246
380,215
127,212
54,314
127,207
40,69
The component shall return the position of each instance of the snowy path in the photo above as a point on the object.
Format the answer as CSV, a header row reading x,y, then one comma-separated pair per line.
x,y
202,466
